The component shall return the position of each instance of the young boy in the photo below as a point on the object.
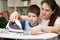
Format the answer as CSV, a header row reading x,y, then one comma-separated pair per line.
x,y
33,13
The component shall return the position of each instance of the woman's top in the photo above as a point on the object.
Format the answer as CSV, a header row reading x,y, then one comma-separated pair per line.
x,y
45,22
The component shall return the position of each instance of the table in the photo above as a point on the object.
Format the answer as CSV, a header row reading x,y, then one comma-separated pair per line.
x,y
44,36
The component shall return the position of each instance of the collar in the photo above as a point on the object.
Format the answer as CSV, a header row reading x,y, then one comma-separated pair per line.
x,y
33,25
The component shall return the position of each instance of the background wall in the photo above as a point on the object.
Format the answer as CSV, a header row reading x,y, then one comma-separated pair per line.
x,y
3,5
6,5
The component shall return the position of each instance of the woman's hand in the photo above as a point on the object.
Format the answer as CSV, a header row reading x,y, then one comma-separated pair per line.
x,y
14,16
35,30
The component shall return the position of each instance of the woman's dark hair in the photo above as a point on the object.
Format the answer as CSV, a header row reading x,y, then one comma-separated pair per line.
x,y
34,9
53,5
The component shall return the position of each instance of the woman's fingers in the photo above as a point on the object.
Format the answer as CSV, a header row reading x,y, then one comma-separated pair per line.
x,y
34,31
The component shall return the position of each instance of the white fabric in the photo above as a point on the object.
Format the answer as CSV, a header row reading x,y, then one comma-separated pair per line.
x,y
57,21
44,22
45,36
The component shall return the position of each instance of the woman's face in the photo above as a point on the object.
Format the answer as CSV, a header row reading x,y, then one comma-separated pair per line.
x,y
46,11
32,18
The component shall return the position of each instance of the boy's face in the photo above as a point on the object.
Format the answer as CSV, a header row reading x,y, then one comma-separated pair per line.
x,y
32,18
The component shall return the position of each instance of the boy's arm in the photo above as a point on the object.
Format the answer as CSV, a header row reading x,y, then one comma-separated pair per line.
x,y
23,17
23,24
15,15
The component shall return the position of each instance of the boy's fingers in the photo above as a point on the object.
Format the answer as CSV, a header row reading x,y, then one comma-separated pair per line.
x,y
14,16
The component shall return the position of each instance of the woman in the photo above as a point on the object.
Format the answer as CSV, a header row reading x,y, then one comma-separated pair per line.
x,y
50,20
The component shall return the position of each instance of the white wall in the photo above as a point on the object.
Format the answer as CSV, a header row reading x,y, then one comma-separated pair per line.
x,y
38,2
3,5
58,2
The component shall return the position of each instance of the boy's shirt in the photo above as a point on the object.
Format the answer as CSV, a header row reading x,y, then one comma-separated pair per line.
x,y
26,25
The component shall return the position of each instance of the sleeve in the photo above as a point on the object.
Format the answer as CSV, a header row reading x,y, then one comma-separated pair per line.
x,y
23,24
57,21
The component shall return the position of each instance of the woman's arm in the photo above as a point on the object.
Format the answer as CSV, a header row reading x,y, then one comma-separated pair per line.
x,y
36,30
55,28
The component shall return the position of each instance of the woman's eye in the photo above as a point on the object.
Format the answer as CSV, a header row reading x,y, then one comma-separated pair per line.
x,y
47,10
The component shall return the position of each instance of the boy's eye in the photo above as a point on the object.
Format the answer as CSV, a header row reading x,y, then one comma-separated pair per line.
x,y
42,8
33,16
28,16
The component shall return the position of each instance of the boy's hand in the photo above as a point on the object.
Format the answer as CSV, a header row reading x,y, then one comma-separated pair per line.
x,y
14,16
